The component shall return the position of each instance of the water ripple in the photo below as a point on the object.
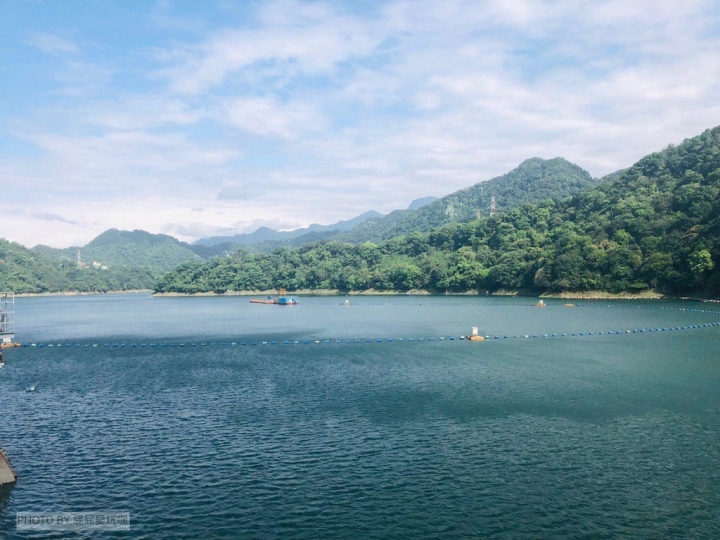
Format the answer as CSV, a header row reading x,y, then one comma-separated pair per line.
x,y
536,440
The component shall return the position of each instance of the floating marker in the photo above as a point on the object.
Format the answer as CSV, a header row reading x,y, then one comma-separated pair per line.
x,y
388,339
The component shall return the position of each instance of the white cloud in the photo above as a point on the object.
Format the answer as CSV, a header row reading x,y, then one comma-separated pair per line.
x,y
50,43
121,154
268,117
195,230
46,216
313,40
143,112
245,191
311,111
276,223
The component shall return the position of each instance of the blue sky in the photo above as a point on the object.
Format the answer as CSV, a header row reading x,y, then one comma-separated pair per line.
x,y
205,118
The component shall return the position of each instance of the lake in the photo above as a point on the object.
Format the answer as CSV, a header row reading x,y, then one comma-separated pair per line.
x,y
576,436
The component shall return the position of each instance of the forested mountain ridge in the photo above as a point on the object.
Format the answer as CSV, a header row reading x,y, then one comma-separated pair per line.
x,y
26,271
533,181
654,225
135,259
658,223
136,249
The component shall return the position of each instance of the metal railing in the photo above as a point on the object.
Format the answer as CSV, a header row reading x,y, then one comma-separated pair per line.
x,y
7,313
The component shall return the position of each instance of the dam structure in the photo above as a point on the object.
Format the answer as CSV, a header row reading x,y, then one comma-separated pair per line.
x,y
7,473
7,334
7,318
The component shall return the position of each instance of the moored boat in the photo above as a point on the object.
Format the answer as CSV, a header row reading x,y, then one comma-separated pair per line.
x,y
282,300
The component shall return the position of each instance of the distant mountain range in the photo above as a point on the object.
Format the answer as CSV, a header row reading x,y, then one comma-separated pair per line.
x,y
162,252
654,226
265,234
271,238
532,181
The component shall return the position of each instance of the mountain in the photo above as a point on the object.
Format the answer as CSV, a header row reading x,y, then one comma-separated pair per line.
x,y
419,203
533,181
655,225
128,248
308,238
26,271
132,260
265,234
210,252
125,260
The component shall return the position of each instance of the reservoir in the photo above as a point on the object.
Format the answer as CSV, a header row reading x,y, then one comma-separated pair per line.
x,y
351,435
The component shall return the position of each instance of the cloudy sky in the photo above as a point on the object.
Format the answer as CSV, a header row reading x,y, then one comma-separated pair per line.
x,y
215,117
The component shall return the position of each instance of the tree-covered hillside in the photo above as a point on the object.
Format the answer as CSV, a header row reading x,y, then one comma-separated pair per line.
x,y
25,271
655,225
532,181
132,249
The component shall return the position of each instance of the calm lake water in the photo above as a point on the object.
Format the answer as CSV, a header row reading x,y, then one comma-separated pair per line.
x,y
595,436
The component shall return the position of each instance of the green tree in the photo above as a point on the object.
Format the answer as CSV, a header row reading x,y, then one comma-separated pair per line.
x,y
700,264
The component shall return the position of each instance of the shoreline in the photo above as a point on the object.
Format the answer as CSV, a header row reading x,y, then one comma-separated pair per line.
x,y
602,295
316,292
582,295
81,293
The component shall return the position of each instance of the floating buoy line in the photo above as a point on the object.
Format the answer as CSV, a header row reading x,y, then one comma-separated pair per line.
x,y
248,342
586,304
